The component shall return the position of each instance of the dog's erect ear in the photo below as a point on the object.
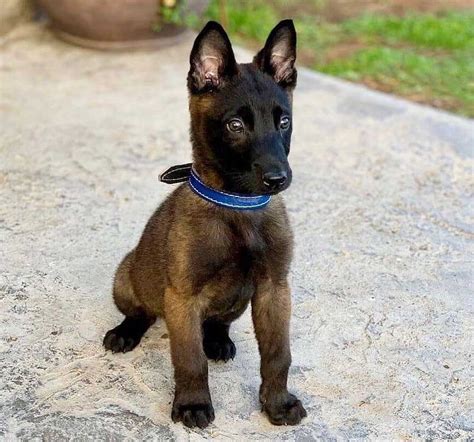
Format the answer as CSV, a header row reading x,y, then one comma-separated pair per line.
x,y
278,56
212,59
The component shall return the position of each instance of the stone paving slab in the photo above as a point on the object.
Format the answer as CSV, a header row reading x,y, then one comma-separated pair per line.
x,y
382,279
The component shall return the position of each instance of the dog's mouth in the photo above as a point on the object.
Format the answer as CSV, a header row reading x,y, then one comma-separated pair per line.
x,y
274,191
257,182
274,182
263,180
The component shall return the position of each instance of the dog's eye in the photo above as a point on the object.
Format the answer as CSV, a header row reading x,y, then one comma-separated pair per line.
x,y
284,123
235,125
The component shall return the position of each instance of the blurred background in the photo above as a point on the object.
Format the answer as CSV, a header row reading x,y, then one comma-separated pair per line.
x,y
382,208
422,50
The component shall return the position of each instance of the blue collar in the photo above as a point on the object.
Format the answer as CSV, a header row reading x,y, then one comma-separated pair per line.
x,y
224,199
230,200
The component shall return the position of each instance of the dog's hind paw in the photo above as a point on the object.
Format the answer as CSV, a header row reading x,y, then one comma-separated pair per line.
x,y
118,342
216,342
221,349
127,335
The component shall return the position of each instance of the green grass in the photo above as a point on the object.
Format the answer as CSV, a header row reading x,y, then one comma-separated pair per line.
x,y
450,31
245,20
447,80
423,57
415,56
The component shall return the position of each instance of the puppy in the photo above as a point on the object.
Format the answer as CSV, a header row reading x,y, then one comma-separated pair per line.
x,y
222,239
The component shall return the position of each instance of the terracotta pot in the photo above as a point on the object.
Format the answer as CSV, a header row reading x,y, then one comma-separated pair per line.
x,y
114,24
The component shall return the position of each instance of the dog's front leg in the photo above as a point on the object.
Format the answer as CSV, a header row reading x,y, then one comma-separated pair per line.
x,y
271,310
192,400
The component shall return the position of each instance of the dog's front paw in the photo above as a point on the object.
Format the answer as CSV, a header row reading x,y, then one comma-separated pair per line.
x,y
193,415
219,349
284,409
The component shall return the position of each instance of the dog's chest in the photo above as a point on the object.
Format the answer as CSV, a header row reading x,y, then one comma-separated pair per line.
x,y
244,261
249,246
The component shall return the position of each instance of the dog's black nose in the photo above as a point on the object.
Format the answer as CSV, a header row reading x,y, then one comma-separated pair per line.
x,y
274,180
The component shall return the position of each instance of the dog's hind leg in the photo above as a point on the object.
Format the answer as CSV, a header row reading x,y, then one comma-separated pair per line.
x,y
127,335
216,341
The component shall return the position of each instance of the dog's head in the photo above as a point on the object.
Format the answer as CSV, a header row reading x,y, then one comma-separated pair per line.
x,y
241,117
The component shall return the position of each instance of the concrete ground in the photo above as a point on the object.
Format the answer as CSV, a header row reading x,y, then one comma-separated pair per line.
x,y
381,206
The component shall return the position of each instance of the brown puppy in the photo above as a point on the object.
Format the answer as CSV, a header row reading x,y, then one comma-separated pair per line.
x,y
198,264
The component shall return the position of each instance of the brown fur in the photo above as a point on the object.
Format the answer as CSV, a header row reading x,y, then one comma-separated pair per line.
x,y
198,266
